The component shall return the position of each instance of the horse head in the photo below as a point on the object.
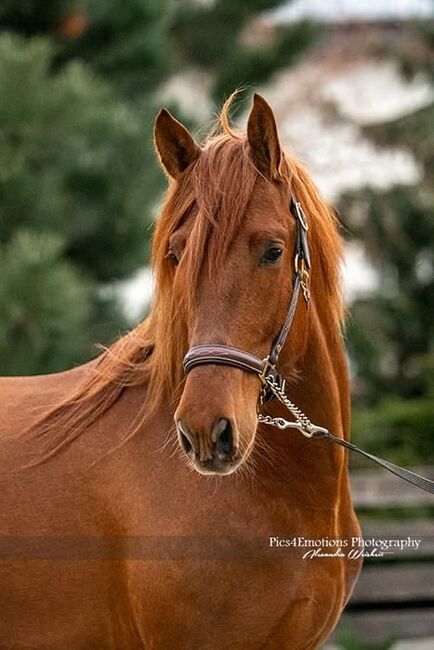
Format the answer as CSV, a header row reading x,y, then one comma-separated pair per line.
x,y
226,244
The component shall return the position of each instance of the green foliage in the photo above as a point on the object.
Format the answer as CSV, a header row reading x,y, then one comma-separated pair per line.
x,y
49,311
389,332
393,330
74,160
44,305
414,131
32,18
405,512
403,431
76,164
252,66
126,43
212,36
206,34
347,639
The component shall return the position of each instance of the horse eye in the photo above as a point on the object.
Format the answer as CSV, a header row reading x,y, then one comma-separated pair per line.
x,y
272,255
173,257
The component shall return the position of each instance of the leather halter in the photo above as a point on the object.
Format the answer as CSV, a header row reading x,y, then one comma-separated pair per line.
x,y
273,385
227,355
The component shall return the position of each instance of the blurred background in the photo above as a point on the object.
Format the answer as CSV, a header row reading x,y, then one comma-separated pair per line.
x,y
352,86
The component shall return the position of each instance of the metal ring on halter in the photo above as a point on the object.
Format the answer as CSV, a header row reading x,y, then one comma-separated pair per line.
x,y
301,216
302,271
300,264
265,394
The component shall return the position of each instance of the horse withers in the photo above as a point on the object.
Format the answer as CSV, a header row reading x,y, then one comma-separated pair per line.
x,y
144,507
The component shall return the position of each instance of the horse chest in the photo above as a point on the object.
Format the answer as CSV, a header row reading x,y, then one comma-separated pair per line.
x,y
207,577
233,603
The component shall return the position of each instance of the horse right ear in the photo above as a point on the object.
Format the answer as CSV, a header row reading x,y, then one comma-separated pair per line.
x,y
176,147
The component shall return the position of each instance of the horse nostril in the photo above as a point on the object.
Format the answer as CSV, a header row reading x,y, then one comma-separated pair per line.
x,y
184,435
224,440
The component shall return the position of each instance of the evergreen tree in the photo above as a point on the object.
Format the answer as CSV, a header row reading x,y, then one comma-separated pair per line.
x,y
35,18
392,332
126,43
212,36
138,44
75,170
44,305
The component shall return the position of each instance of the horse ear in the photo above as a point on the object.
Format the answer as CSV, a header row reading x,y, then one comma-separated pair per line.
x,y
263,138
176,147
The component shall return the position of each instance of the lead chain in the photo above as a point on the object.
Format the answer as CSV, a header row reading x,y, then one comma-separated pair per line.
x,y
302,422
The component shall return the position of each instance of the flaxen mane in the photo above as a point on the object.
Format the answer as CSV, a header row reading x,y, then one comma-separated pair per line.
x,y
217,187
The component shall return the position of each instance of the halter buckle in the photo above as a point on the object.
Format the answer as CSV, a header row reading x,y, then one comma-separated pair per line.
x,y
269,370
301,216
302,270
313,431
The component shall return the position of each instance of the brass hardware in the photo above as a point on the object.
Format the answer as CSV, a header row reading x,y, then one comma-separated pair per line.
x,y
301,269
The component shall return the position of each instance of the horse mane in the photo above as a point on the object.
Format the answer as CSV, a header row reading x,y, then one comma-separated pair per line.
x,y
217,187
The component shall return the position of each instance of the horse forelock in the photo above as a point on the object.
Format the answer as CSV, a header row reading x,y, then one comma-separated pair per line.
x,y
215,190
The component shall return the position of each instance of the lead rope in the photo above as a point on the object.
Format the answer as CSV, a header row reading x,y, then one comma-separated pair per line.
x,y
277,386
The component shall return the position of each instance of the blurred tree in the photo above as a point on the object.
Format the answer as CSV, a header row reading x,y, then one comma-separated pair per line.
x,y
138,44
126,43
34,18
75,164
74,160
44,305
212,36
391,335
392,331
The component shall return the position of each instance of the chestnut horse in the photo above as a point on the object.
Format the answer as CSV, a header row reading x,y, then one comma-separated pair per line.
x,y
116,529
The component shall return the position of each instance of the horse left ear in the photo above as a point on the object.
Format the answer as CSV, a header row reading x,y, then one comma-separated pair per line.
x,y
263,138
176,147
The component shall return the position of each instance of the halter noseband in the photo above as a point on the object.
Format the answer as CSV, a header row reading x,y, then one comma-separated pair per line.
x,y
227,355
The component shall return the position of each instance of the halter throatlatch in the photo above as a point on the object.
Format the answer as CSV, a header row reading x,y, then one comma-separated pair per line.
x,y
273,384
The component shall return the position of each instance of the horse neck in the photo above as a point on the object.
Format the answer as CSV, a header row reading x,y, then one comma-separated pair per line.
x,y
320,388
324,377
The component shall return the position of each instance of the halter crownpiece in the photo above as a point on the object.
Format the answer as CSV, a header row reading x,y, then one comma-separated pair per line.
x,y
273,384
